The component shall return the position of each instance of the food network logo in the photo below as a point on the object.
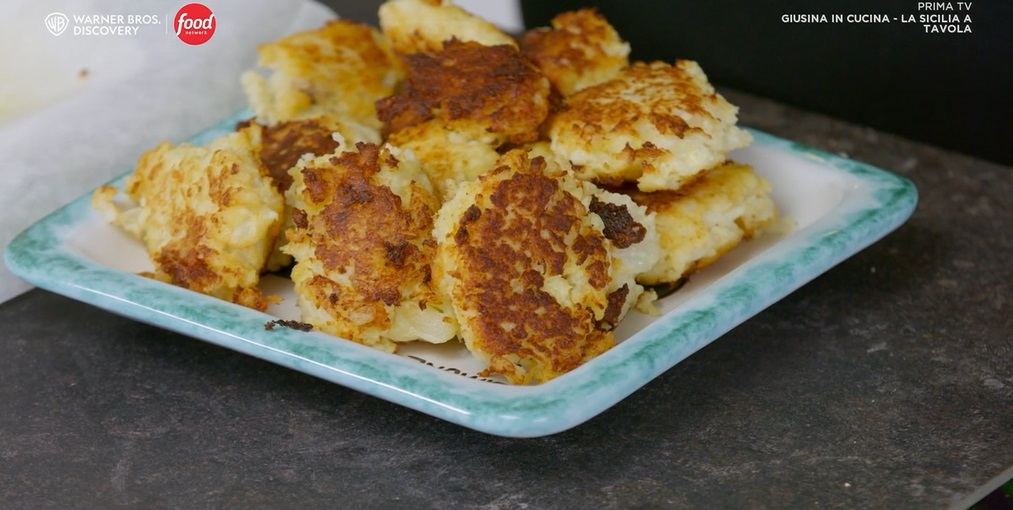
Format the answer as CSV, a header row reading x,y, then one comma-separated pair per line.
x,y
194,24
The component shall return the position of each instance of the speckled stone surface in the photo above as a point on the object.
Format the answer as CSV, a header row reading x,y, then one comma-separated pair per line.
x,y
885,383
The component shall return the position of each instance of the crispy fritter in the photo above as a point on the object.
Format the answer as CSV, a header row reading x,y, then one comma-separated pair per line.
x,y
448,157
309,135
415,26
208,215
543,241
341,68
487,93
657,124
580,50
363,247
528,270
285,142
703,220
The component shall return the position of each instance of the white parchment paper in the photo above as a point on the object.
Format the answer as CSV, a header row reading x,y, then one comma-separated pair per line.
x,y
77,110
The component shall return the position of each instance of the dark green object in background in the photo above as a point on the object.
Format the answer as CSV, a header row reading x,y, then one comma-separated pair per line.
x,y
999,499
954,90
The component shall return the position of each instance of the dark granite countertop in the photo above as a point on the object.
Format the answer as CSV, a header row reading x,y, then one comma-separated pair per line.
x,y
885,383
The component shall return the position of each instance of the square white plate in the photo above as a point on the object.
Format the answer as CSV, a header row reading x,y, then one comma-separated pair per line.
x,y
839,206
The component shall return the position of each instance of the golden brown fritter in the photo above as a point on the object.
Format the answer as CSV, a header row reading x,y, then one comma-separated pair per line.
x,y
208,215
502,208
341,68
487,93
363,247
528,269
415,26
704,219
656,124
284,143
580,50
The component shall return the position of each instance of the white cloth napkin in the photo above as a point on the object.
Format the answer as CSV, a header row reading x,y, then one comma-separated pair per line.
x,y
77,110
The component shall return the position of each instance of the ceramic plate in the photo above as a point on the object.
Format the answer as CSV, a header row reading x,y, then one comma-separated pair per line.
x,y
839,207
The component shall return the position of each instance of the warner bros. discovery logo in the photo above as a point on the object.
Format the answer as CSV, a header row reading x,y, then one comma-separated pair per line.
x,y
57,22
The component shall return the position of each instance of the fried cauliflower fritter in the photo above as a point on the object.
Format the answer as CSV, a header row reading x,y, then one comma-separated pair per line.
x,y
341,68
448,157
703,220
207,215
285,142
486,93
363,247
580,50
528,269
656,124
308,136
461,103
436,179
415,26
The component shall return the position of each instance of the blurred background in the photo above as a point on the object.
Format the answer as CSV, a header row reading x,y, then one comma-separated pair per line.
x,y
953,90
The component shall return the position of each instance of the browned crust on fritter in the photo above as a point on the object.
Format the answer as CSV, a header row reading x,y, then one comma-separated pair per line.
x,y
185,264
517,238
285,142
620,227
616,300
492,86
